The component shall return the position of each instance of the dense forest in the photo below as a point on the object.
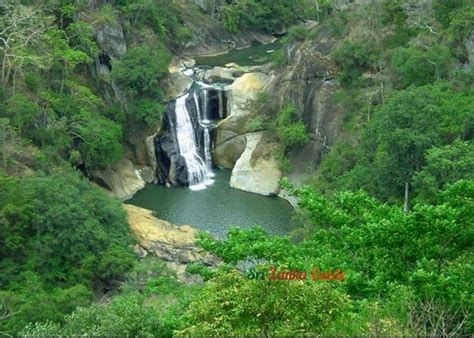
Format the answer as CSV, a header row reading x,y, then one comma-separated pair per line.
x,y
391,203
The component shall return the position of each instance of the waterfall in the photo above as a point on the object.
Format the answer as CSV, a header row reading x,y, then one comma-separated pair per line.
x,y
198,174
207,148
184,147
221,104
205,101
207,136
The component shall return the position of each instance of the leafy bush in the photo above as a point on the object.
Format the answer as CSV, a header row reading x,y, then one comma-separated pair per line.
x,y
414,66
124,316
200,269
263,308
256,123
353,58
140,69
291,132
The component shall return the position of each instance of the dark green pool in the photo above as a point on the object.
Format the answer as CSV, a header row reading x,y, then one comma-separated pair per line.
x,y
216,208
257,54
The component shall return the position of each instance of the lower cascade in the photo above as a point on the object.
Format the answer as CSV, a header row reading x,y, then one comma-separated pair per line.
x,y
184,145
198,172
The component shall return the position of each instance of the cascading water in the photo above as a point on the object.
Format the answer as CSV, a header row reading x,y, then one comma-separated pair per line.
x,y
198,172
184,146
207,148
207,136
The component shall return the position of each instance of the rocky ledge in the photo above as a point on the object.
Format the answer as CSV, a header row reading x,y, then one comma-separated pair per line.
x,y
174,244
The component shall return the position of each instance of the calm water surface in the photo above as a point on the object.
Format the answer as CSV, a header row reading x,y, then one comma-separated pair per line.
x,y
217,208
257,54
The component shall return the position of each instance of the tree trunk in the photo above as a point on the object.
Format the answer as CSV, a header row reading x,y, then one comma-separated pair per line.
x,y
406,204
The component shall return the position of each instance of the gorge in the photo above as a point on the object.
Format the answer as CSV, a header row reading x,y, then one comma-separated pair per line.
x,y
192,188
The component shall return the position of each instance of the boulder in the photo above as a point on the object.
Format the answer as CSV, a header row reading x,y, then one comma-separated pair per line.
x,y
226,154
177,83
257,169
121,178
174,244
217,74
230,140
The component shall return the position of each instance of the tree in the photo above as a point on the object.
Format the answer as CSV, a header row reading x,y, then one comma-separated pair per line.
x,y
9,142
64,215
290,129
234,305
124,316
444,165
22,29
414,66
22,112
406,126
139,70
99,140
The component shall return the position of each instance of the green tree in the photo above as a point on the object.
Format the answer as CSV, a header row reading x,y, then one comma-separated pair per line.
x,y
290,129
99,140
124,316
414,66
444,165
354,58
139,71
64,215
233,305
22,112
406,126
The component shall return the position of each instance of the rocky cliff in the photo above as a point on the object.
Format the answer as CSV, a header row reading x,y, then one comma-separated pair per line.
x,y
308,81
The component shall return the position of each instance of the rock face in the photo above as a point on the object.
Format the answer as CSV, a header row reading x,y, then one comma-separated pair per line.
x,y
122,179
309,83
111,41
174,244
257,170
230,138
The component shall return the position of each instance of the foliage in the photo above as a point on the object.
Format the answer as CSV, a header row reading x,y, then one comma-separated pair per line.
x,y
290,130
381,250
99,141
444,165
412,121
163,16
124,316
61,237
232,305
139,70
414,66
256,123
353,58
267,15
22,112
